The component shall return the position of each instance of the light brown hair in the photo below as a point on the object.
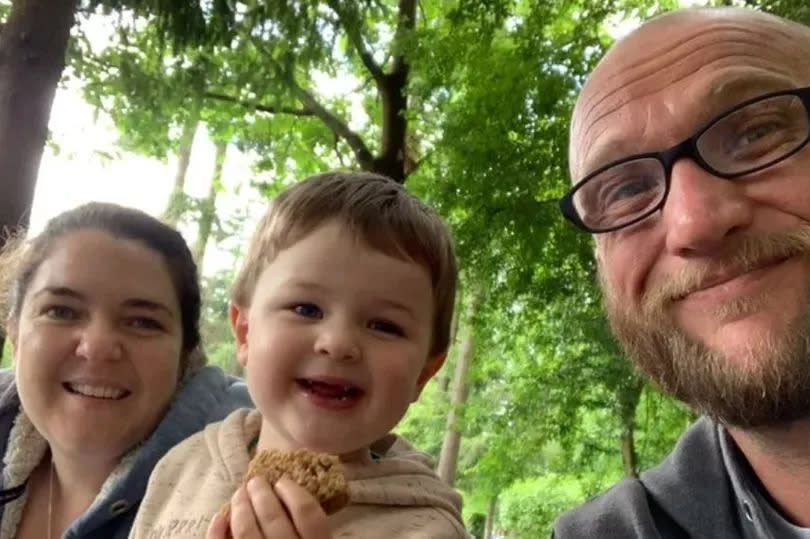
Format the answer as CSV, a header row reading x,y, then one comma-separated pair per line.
x,y
380,211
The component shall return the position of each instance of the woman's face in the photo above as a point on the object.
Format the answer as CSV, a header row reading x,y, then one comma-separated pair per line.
x,y
97,344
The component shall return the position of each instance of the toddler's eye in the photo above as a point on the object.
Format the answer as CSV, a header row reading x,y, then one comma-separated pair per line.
x,y
386,326
307,310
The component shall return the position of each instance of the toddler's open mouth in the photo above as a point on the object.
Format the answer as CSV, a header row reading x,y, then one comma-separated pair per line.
x,y
338,390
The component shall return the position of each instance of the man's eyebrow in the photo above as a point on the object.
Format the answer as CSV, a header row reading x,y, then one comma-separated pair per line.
x,y
717,97
727,92
608,153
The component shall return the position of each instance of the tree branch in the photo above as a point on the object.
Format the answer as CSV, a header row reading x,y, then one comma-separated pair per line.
x,y
356,39
364,157
405,24
258,106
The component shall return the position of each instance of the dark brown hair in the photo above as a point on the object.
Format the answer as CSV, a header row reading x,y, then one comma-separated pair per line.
x,y
20,260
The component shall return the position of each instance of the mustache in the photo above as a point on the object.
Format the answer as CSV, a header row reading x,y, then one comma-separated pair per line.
x,y
748,252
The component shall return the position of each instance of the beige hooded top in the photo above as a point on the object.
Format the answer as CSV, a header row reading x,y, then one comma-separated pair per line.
x,y
396,497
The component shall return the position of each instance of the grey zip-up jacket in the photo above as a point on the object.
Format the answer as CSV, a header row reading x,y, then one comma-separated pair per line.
x,y
688,495
207,396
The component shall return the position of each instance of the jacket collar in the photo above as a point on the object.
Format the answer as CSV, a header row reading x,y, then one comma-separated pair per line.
x,y
692,485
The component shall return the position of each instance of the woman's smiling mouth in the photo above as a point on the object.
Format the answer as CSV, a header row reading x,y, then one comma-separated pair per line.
x,y
96,391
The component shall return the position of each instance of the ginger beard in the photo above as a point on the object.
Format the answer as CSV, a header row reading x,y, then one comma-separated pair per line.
x,y
769,385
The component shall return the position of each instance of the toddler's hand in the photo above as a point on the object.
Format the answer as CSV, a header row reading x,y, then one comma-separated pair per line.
x,y
261,512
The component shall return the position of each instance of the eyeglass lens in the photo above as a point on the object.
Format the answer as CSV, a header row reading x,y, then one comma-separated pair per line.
x,y
748,139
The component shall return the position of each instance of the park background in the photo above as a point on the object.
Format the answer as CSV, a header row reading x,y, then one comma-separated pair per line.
x,y
198,111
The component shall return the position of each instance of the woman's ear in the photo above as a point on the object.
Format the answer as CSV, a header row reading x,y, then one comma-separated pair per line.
x,y
239,325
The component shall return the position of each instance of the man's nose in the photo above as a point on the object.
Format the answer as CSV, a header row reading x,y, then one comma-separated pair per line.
x,y
702,210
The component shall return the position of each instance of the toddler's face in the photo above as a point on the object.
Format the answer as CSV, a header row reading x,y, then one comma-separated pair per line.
x,y
335,342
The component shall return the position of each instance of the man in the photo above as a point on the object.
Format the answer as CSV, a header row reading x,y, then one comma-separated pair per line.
x,y
691,168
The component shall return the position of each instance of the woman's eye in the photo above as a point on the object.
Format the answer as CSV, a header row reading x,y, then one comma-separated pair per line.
x,y
61,312
307,310
144,322
386,326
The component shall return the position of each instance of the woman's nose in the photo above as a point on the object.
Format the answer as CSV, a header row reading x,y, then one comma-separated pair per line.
x,y
99,341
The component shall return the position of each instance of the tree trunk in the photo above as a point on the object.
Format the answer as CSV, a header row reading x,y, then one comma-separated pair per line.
x,y
490,522
208,209
174,208
629,396
394,99
33,42
628,451
448,459
443,379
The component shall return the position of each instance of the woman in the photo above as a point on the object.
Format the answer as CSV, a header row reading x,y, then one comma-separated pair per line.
x,y
103,314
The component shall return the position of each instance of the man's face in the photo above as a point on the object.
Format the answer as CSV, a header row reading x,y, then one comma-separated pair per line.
x,y
711,295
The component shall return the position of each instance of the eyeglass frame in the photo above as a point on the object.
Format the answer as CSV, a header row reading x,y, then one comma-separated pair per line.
x,y
687,148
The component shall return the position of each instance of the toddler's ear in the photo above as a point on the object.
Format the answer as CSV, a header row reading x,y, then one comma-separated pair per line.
x,y
431,367
239,325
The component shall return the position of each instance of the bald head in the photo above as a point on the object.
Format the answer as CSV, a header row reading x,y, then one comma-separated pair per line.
x,y
653,87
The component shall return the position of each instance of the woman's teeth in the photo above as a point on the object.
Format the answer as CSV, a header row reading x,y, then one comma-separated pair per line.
x,y
99,392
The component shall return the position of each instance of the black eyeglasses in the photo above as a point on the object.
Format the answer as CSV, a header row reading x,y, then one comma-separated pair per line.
x,y
754,135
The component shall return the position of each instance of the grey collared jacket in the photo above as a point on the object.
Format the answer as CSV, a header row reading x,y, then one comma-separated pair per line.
x,y
688,495
207,396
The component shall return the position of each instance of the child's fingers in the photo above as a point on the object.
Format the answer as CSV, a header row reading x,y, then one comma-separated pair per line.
x,y
243,523
305,511
218,529
271,516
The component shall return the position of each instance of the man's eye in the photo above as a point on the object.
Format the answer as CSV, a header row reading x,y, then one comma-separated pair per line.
x,y
307,310
755,133
386,326
631,188
759,140
61,312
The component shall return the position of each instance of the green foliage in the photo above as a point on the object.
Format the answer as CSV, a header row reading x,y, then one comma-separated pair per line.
x,y
215,327
795,10
6,355
180,21
424,424
528,508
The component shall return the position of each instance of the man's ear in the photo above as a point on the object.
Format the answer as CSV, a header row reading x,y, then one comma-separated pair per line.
x,y
239,325
431,367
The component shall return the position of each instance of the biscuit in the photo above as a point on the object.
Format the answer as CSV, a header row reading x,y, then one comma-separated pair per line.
x,y
321,474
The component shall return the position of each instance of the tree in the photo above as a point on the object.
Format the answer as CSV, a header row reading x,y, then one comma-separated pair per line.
x,y
267,65
32,50
33,43
208,204
292,40
448,459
